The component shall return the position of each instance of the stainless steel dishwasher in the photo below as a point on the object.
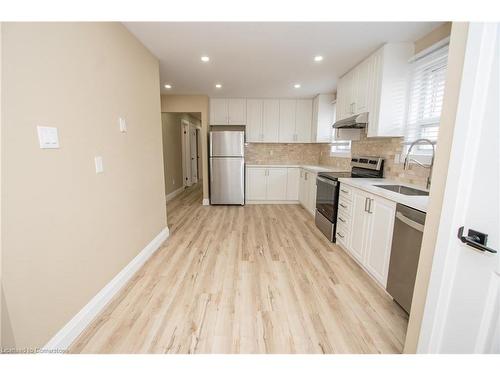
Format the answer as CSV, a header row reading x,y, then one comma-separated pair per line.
x,y
405,252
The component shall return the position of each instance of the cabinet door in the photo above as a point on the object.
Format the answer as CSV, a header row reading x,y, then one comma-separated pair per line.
x,y
347,88
379,238
218,111
302,188
253,129
276,184
358,226
270,120
362,86
311,187
292,184
303,120
236,111
256,184
341,93
375,91
287,121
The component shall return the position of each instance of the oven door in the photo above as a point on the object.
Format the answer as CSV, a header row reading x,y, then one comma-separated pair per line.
x,y
326,198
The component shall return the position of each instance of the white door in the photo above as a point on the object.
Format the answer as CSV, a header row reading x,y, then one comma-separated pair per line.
x,y
362,86
218,111
358,227
254,121
186,153
292,184
256,184
287,120
236,111
303,120
462,312
379,237
193,148
270,120
276,184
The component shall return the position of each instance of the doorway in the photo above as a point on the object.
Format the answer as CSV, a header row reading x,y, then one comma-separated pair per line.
x,y
181,133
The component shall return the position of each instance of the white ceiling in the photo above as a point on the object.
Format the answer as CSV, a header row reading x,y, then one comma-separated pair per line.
x,y
255,59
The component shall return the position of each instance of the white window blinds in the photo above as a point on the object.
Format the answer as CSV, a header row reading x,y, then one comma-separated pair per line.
x,y
426,98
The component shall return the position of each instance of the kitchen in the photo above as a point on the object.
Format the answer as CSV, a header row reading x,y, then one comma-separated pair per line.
x,y
371,203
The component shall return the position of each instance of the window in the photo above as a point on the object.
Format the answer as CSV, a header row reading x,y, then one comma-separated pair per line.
x,y
339,147
425,102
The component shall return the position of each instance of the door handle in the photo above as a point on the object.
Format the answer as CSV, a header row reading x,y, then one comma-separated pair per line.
x,y
370,206
475,239
366,203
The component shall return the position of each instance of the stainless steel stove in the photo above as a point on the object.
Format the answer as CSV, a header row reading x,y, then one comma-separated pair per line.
x,y
327,192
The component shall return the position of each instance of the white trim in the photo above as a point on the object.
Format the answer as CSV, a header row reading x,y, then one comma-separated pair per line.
x,y
174,193
206,202
431,49
66,335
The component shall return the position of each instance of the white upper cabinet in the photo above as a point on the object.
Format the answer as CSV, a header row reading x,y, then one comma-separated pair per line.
x,y
378,85
236,111
224,111
287,120
254,130
322,118
218,111
303,120
270,120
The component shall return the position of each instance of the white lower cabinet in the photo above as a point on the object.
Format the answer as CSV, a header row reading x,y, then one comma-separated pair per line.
x,y
271,184
307,190
369,230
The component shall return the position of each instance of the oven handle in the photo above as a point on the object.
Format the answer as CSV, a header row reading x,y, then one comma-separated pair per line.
x,y
326,181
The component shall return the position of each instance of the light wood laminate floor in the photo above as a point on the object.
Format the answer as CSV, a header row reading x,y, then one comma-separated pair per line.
x,y
252,279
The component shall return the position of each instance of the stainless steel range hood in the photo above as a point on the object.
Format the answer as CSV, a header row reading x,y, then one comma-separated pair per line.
x,y
354,122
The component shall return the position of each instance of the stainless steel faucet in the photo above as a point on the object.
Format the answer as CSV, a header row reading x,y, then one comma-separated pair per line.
x,y
409,160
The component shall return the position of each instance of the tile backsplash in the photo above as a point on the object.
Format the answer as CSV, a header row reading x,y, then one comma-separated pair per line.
x,y
308,153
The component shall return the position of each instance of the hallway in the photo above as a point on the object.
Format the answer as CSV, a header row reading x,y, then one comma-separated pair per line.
x,y
252,279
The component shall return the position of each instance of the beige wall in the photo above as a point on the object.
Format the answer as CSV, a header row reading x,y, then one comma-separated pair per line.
x,y
456,54
67,230
434,36
172,151
192,103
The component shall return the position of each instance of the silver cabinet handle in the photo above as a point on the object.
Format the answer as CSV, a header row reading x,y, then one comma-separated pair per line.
x,y
344,206
341,236
370,206
366,204
344,191
342,220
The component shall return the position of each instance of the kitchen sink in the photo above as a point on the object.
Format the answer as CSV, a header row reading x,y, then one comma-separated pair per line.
x,y
403,189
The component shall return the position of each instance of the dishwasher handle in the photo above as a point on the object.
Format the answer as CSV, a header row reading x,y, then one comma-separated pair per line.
x,y
409,222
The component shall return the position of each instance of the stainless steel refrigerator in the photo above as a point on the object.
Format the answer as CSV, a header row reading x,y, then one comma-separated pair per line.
x,y
227,167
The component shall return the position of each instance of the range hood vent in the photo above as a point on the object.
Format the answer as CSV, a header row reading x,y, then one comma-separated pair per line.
x,y
353,122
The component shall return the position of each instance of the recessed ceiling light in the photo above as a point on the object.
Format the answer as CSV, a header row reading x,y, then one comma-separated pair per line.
x,y
205,58
297,85
218,86
167,86
318,58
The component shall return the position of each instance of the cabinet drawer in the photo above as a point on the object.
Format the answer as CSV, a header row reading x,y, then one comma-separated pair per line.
x,y
345,192
345,207
342,236
343,220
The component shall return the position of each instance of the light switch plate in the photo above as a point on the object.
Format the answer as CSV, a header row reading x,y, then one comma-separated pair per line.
x,y
48,137
99,168
123,125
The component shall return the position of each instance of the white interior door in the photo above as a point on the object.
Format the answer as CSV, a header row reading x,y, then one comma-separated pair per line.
x,y
186,153
462,312
193,151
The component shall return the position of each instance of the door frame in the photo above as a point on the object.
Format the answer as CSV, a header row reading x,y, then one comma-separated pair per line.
x,y
471,104
186,154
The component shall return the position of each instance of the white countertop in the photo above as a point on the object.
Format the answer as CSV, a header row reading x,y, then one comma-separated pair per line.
x,y
311,168
418,202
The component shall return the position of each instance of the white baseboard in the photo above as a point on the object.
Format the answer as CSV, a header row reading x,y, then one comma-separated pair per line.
x,y
63,339
206,202
174,193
